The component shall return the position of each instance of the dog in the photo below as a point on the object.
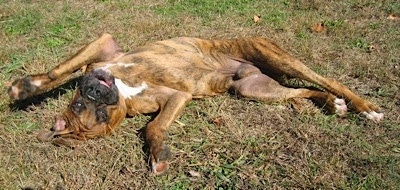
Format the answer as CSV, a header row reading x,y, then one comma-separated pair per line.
x,y
164,76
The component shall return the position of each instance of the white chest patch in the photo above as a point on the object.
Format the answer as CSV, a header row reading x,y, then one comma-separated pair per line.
x,y
128,91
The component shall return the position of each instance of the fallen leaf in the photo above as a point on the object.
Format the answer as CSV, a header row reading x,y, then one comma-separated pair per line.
x,y
371,48
318,27
218,121
393,17
194,173
257,18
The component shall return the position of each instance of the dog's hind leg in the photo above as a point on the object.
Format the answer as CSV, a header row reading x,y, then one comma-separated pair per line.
x,y
255,85
270,58
103,49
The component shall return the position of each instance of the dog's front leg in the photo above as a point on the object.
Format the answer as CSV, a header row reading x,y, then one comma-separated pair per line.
x,y
171,105
103,49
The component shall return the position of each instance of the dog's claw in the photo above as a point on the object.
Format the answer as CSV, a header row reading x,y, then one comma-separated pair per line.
x,y
159,161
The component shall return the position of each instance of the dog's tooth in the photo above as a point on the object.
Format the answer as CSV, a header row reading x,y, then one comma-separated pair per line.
x,y
91,97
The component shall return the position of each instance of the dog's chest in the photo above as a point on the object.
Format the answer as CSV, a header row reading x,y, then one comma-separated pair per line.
x,y
125,79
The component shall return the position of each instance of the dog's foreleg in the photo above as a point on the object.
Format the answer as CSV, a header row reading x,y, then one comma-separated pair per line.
x,y
171,105
103,49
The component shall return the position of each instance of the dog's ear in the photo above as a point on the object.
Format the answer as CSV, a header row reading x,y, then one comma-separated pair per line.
x,y
60,123
46,136
68,141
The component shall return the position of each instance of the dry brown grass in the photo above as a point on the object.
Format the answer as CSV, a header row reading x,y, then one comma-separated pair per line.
x,y
255,146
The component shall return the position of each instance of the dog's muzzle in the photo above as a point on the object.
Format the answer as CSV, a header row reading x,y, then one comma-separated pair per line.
x,y
99,87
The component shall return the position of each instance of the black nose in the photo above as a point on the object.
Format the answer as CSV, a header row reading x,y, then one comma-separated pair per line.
x,y
94,92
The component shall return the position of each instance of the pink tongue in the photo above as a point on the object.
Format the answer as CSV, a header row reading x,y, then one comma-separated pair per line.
x,y
104,83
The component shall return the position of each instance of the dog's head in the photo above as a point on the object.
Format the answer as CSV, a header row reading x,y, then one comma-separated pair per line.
x,y
96,109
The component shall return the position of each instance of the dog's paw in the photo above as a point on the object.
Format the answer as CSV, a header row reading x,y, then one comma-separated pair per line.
x,y
23,88
374,116
367,109
160,167
159,161
340,106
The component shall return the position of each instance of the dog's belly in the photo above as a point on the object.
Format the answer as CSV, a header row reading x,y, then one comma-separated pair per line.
x,y
179,66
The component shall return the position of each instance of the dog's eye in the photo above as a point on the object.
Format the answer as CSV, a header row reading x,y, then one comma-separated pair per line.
x,y
77,106
101,115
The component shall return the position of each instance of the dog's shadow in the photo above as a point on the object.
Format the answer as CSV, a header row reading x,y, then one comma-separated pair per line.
x,y
43,97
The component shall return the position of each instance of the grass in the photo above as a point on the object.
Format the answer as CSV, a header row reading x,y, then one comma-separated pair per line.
x,y
255,145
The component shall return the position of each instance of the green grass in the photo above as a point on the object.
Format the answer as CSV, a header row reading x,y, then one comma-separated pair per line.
x,y
211,11
284,145
207,9
23,22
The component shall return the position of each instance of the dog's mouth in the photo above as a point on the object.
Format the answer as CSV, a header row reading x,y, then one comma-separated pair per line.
x,y
104,77
104,82
107,80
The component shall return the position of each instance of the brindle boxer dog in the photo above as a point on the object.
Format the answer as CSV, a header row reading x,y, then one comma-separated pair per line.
x,y
164,76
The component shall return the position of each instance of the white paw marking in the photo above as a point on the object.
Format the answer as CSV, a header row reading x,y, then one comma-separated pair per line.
x,y
377,117
128,91
340,106
37,83
14,89
14,92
